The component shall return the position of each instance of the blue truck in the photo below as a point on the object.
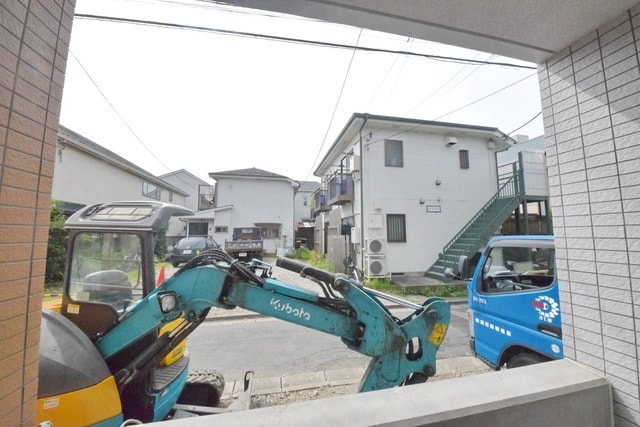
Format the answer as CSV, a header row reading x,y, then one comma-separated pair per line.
x,y
514,306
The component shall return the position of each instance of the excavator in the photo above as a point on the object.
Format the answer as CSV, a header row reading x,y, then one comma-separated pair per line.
x,y
113,348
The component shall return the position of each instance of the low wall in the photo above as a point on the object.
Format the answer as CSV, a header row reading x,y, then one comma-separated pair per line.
x,y
558,393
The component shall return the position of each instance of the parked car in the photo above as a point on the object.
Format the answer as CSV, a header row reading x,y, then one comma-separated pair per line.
x,y
189,247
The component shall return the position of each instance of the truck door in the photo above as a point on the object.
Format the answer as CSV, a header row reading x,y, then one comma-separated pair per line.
x,y
514,302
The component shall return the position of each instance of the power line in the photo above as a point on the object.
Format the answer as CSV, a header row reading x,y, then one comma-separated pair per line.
x,y
526,123
446,83
114,109
335,108
296,40
462,107
486,96
355,48
119,115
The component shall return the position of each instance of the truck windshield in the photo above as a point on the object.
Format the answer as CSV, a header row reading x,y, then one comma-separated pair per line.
x,y
509,269
106,268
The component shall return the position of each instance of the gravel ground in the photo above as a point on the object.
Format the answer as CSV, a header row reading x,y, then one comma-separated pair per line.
x,y
284,398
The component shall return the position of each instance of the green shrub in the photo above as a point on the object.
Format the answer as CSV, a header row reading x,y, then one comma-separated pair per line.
x,y
56,247
312,258
302,254
383,285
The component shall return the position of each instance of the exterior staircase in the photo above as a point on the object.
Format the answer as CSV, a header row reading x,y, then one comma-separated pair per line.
x,y
477,232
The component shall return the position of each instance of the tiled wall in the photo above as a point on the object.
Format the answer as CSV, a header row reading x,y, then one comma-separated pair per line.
x,y
591,106
34,42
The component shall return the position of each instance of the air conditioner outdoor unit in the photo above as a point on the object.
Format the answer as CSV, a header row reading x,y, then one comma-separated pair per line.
x,y
375,267
375,246
354,163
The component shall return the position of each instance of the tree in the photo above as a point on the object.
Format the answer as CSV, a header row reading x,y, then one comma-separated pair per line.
x,y
160,246
56,246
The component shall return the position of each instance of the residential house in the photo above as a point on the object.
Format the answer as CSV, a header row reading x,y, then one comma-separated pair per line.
x,y
397,192
199,199
251,198
87,173
303,213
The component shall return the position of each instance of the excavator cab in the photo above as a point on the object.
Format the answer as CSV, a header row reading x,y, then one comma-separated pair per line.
x,y
110,261
103,279
110,268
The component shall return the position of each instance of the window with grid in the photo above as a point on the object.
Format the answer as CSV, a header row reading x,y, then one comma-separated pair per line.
x,y
393,156
396,228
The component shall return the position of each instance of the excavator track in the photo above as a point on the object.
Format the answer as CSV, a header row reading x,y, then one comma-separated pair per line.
x,y
204,387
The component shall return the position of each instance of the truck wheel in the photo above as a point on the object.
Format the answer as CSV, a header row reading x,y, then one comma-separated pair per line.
x,y
525,359
203,388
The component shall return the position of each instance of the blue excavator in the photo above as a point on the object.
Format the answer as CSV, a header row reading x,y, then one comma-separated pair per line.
x,y
113,346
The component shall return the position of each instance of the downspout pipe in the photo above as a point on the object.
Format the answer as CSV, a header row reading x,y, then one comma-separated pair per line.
x,y
362,194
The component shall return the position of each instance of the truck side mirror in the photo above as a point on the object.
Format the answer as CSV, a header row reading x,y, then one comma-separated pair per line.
x,y
449,273
464,269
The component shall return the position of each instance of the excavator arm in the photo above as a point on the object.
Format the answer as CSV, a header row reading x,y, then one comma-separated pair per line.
x,y
402,351
114,316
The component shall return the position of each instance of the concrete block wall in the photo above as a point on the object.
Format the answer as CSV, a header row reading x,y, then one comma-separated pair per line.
x,y
34,42
590,96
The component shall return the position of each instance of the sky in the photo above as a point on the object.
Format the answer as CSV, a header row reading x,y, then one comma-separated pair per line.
x,y
206,94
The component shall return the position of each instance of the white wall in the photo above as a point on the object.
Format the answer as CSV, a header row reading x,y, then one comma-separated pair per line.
x,y
302,209
258,201
82,178
398,190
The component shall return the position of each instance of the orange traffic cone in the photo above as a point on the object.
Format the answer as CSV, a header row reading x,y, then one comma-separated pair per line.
x,y
160,277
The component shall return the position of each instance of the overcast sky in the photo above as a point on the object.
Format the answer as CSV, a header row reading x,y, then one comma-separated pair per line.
x,y
167,98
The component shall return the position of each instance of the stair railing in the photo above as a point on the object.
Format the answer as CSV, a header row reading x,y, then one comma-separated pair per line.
x,y
512,189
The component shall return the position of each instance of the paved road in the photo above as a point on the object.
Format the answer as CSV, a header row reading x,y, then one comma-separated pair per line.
x,y
272,347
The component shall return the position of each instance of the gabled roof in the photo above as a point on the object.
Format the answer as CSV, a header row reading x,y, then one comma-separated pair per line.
x,y
399,125
69,137
184,172
206,214
308,186
251,173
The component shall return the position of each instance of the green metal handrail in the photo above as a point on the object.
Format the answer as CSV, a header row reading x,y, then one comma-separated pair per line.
x,y
501,204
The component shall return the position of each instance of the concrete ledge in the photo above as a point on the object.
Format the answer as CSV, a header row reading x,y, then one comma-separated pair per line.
x,y
558,393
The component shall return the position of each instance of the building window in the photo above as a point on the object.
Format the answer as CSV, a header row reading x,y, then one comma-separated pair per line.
x,y
221,229
393,153
170,196
198,228
269,230
464,159
396,228
150,190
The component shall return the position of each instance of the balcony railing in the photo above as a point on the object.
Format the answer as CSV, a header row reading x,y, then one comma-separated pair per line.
x,y
340,189
205,203
320,202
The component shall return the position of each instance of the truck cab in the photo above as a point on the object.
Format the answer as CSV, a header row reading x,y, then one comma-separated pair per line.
x,y
514,306
247,244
